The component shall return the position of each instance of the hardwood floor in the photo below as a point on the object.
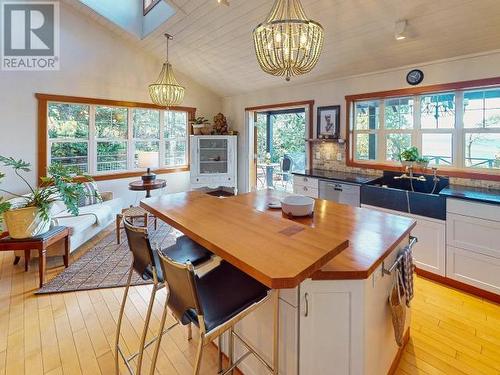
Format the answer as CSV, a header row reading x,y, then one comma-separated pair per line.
x,y
73,333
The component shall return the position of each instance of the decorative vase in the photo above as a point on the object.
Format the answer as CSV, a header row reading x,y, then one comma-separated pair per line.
x,y
25,223
197,128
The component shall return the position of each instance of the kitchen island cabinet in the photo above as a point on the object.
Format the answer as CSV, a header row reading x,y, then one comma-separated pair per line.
x,y
334,315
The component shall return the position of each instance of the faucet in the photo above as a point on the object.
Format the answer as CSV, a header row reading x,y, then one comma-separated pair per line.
x,y
405,175
435,177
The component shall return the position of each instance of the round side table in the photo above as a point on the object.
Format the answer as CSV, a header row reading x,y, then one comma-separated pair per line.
x,y
140,185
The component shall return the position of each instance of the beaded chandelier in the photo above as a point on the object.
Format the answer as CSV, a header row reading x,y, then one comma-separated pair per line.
x,y
166,91
287,43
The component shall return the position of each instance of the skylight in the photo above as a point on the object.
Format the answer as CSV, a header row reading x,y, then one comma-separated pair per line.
x,y
138,17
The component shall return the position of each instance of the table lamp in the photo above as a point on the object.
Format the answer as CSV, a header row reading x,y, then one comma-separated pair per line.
x,y
148,160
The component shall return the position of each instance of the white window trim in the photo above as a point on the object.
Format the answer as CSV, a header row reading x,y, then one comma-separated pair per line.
x,y
458,133
130,140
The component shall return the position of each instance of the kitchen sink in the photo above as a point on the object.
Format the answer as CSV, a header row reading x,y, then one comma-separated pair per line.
x,y
398,194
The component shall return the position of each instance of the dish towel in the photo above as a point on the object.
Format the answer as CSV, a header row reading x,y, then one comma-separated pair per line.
x,y
406,268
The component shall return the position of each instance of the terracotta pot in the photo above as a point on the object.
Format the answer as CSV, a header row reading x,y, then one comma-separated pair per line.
x,y
25,223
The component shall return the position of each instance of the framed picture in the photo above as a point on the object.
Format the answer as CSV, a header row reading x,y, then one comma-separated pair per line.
x,y
328,122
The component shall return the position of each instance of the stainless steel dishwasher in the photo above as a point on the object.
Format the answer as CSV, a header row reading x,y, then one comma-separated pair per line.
x,y
340,192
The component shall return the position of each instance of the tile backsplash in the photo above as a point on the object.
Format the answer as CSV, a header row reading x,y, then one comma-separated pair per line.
x,y
325,157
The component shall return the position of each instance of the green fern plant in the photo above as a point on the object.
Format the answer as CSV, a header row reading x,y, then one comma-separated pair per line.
x,y
58,185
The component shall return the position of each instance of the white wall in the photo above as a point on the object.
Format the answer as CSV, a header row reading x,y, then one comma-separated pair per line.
x,y
333,92
94,63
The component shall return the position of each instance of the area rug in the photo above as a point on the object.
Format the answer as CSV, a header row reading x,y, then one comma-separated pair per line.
x,y
106,265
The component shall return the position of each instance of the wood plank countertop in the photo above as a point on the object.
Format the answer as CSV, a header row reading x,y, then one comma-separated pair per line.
x,y
372,234
274,250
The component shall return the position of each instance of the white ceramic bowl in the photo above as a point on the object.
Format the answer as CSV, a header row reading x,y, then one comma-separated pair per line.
x,y
297,205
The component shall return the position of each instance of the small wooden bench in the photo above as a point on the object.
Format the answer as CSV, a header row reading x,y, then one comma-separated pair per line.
x,y
40,243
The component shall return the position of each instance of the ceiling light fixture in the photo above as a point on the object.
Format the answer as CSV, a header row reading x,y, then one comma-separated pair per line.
x,y
225,2
400,32
166,91
287,43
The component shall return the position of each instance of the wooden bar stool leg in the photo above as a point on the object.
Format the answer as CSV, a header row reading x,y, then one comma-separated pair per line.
x,y
27,255
146,216
118,226
66,252
42,263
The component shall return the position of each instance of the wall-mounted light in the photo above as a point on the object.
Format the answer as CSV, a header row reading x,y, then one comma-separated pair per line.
x,y
224,2
400,31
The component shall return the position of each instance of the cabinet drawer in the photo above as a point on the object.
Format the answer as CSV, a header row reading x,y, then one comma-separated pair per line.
x,y
306,190
471,233
305,181
475,269
467,208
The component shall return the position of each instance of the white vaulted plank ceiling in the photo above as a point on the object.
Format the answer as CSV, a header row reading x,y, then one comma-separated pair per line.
x,y
213,43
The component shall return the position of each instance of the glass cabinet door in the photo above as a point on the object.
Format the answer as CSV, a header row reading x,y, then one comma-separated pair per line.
x,y
213,156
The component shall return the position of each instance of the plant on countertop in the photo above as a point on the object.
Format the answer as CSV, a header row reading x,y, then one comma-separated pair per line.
x,y
409,154
58,186
412,155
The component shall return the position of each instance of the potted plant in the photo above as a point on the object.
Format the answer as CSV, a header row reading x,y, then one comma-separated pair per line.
x,y
29,215
198,123
411,157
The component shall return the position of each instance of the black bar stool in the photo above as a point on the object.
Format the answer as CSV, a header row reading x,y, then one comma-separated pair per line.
x,y
214,302
147,264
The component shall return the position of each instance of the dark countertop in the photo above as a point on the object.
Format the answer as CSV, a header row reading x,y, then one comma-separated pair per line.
x,y
355,178
472,193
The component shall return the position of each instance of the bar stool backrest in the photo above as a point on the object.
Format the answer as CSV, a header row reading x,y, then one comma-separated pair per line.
x,y
183,295
138,242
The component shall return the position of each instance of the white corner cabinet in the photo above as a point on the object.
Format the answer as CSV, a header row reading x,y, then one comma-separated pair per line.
x,y
213,161
429,253
472,244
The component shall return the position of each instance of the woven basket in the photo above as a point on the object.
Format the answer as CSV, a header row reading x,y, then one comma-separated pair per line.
x,y
25,223
398,309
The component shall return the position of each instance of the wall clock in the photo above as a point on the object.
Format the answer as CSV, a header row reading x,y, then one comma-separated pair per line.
x,y
414,77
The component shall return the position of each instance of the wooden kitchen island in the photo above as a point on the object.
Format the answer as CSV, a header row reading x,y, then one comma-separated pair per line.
x,y
333,311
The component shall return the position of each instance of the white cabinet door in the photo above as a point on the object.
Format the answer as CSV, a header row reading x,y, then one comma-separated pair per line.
x,y
330,341
306,186
469,267
306,190
474,234
429,253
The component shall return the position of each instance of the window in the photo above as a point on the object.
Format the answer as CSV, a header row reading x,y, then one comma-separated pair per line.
x,y
68,130
175,138
146,131
437,123
481,122
111,132
457,129
147,5
367,115
105,139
